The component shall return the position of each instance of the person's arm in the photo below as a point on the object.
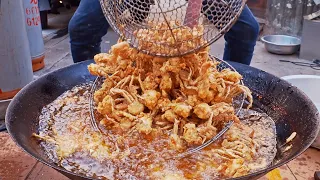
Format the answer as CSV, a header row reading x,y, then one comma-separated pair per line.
x,y
193,13
209,10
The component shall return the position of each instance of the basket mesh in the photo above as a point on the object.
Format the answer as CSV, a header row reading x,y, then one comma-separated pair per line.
x,y
171,27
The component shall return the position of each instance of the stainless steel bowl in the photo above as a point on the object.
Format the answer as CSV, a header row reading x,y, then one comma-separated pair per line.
x,y
281,44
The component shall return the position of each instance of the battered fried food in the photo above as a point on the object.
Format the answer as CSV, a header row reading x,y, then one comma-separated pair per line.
x,y
184,39
153,108
68,138
186,96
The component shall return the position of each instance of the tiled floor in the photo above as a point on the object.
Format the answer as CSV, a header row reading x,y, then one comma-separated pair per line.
x,y
58,21
15,164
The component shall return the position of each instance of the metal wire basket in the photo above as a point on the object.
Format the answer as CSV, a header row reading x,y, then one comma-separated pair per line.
x,y
185,25
238,103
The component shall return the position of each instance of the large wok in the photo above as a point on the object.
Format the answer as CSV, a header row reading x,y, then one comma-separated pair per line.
x,y
288,106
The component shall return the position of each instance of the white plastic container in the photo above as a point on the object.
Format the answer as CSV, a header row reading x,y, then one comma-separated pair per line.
x,y
34,32
310,85
15,58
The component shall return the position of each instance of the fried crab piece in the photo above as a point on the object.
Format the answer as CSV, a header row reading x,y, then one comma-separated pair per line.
x,y
225,117
169,115
203,55
101,93
203,111
203,73
181,109
121,106
234,168
108,122
206,68
135,108
150,98
126,124
97,70
248,95
191,135
125,114
173,65
144,125
175,141
157,63
150,82
123,93
193,100
166,83
229,75
123,64
105,58
163,103
105,64
106,106
238,140
204,88
222,108
121,49
207,130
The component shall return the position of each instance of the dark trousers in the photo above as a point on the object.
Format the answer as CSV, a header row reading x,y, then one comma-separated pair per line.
x,y
88,25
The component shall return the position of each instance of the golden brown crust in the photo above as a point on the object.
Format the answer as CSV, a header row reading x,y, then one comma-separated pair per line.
x,y
157,93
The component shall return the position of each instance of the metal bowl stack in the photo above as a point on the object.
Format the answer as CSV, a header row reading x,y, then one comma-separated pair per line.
x,y
281,44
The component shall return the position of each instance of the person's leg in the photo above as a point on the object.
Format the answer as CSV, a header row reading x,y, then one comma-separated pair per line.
x,y
241,39
54,7
86,28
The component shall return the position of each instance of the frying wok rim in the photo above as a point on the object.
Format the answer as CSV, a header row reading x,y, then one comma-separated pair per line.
x,y
259,173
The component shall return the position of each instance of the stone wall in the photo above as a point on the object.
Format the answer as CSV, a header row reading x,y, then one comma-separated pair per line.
x,y
286,16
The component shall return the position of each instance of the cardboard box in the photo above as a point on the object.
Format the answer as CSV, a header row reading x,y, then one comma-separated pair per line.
x,y
310,40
